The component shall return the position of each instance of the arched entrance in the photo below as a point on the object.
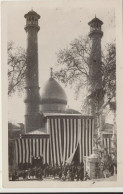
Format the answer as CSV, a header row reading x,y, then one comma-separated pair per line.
x,y
76,157
37,161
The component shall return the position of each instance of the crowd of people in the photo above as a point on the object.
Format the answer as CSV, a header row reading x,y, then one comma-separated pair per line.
x,y
70,172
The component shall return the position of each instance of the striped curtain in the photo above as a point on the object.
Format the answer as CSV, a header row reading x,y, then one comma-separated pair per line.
x,y
26,148
65,135
107,144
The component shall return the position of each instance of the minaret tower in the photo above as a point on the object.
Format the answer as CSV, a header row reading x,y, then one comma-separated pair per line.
x,y
95,74
95,58
32,100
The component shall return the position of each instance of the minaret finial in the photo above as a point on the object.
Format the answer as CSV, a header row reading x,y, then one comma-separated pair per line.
x,y
95,15
51,72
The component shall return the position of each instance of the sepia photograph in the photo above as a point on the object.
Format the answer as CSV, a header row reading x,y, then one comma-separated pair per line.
x,y
60,85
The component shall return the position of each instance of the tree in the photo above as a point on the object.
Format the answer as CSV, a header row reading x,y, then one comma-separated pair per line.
x,y
73,63
106,161
16,68
73,69
109,72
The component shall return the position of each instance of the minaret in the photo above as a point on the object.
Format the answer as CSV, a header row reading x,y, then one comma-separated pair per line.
x,y
95,74
32,100
95,58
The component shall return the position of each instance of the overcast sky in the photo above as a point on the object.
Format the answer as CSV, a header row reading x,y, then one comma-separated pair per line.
x,y
60,23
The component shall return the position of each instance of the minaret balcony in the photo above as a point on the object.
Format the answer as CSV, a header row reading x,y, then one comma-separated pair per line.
x,y
95,32
32,26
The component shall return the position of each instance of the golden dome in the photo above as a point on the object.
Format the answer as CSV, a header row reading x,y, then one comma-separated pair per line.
x,y
53,94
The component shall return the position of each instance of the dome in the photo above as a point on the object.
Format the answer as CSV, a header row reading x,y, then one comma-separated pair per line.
x,y
32,13
72,111
53,96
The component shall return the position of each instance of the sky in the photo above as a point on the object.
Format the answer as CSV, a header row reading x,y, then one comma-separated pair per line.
x,y
60,23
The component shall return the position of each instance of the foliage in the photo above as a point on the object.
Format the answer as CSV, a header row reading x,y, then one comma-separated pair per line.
x,y
11,147
73,63
114,148
16,68
106,160
14,130
73,68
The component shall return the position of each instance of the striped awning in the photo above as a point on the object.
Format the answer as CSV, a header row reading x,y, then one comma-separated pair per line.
x,y
26,148
107,141
65,134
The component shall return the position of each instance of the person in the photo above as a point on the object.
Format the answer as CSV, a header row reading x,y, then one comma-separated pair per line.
x,y
44,170
15,173
36,173
13,177
68,175
77,172
10,176
72,176
32,173
63,177
111,169
75,176
47,171
86,176
115,167
81,172
24,175
65,172
53,172
50,170
40,174
29,173
60,174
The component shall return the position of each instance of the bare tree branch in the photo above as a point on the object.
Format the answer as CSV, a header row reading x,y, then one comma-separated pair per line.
x,y
16,68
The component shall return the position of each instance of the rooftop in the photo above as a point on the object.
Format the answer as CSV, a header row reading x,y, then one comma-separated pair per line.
x,y
95,20
32,13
